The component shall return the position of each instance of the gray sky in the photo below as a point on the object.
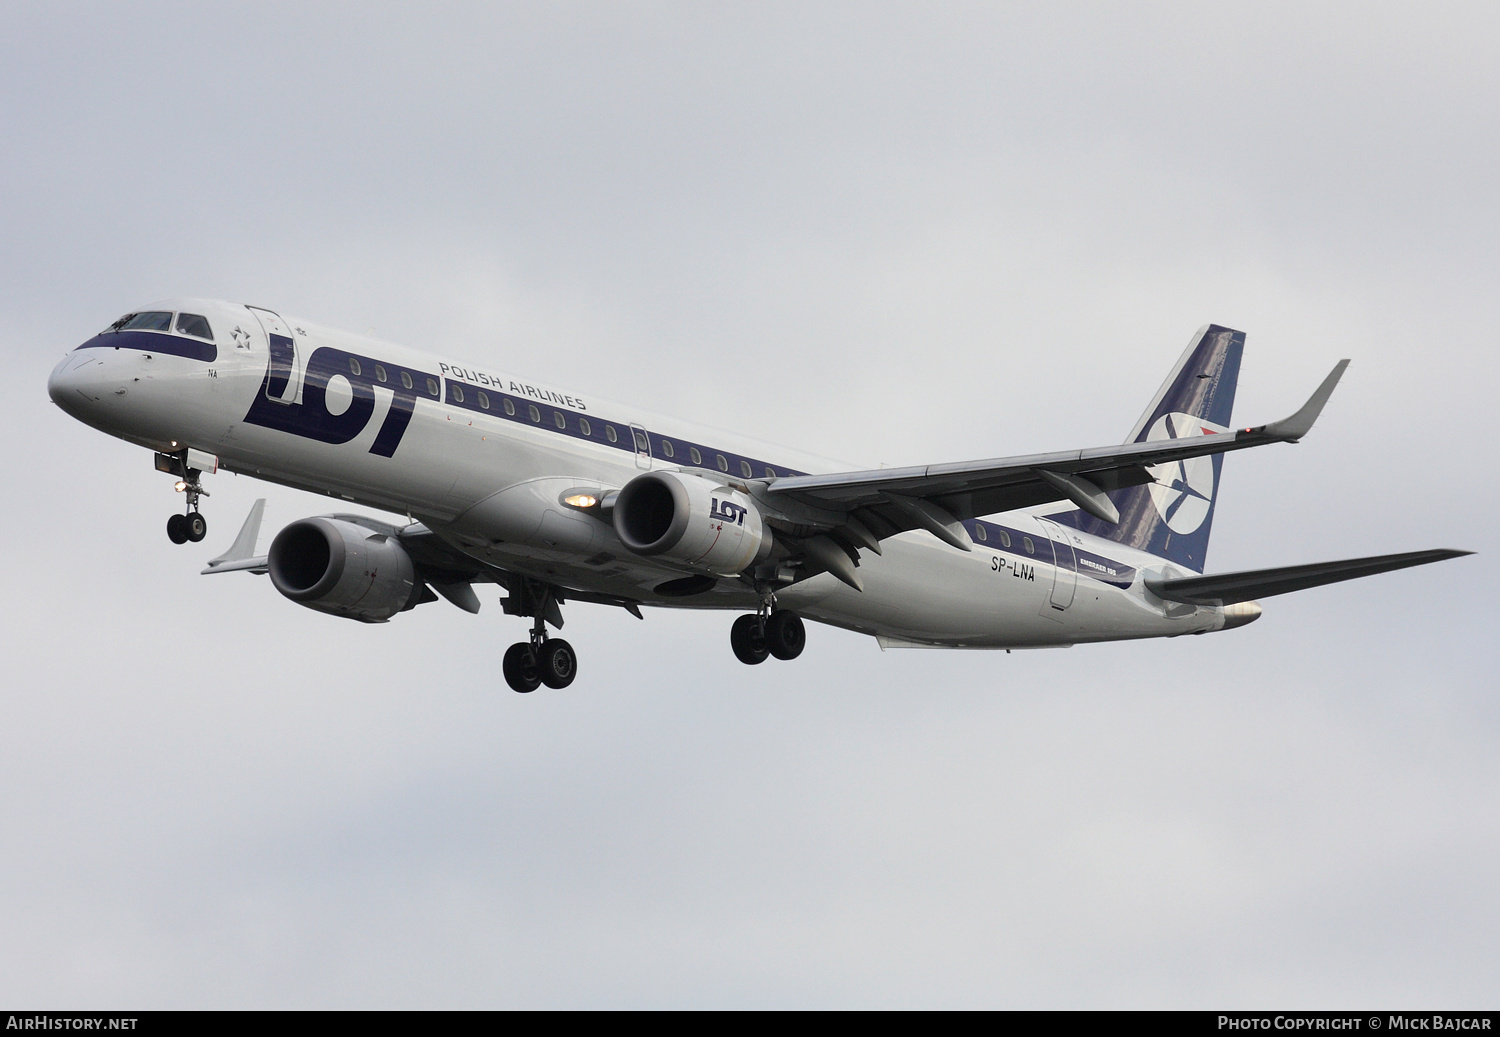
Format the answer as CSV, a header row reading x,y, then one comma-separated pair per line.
x,y
892,233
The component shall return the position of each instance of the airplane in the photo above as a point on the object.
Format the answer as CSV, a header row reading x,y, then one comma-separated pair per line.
x,y
557,496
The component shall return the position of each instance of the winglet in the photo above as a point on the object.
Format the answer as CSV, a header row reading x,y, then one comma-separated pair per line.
x,y
1298,425
241,554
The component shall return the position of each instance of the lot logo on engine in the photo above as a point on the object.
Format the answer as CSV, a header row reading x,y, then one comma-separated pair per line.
x,y
732,513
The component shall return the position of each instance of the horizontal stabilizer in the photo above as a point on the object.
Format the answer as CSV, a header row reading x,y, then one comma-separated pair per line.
x,y
1228,588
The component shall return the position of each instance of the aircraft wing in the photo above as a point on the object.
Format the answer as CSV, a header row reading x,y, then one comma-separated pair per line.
x,y
241,556
887,501
1228,588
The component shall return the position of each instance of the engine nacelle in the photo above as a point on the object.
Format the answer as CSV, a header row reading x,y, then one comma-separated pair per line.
x,y
341,568
692,523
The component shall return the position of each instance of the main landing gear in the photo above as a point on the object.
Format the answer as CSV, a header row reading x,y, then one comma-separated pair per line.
x,y
530,664
527,665
754,637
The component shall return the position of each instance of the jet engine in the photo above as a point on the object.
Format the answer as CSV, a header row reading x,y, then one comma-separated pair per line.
x,y
689,522
341,568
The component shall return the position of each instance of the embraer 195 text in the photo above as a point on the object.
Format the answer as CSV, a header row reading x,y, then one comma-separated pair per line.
x,y
559,496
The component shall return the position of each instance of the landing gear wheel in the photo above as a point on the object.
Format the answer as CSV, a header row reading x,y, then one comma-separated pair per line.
x,y
196,527
177,530
556,663
520,669
747,641
785,635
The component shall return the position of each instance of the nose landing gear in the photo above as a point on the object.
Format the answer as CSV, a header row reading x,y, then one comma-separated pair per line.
x,y
191,526
183,528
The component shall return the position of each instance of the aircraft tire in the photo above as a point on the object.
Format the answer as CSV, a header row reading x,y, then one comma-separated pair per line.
x,y
556,663
177,529
196,527
785,635
747,641
520,669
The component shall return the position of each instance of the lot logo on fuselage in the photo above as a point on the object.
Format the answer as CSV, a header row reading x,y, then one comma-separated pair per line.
x,y
337,397
1184,490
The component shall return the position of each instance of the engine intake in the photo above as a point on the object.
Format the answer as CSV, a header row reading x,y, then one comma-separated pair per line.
x,y
692,523
343,569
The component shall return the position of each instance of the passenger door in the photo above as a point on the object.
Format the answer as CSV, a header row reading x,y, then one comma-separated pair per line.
x,y
642,446
284,383
1064,565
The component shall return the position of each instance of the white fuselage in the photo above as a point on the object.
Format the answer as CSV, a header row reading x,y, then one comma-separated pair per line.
x,y
490,482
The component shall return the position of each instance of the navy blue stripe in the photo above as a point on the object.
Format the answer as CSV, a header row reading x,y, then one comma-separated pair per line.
x,y
596,430
992,537
155,342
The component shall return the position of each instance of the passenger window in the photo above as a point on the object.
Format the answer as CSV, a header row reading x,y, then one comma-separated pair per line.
x,y
722,462
456,393
405,379
770,472
585,427
197,326
980,530
380,374
1004,538
641,443
484,401
353,362
609,433
693,453
1031,550
536,415
562,422
432,387
746,470
666,448
510,408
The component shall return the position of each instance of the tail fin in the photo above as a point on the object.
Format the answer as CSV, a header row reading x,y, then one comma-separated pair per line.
x,y
1172,517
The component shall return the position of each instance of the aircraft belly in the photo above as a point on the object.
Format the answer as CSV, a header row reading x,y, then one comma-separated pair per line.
x,y
923,590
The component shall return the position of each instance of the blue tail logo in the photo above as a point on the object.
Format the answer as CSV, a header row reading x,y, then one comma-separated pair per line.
x,y
1184,490
1172,516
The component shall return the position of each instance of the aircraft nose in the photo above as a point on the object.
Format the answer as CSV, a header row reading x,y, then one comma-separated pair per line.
x,y
77,382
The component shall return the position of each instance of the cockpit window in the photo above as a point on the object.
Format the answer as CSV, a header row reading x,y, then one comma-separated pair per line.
x,y
149,320
193,324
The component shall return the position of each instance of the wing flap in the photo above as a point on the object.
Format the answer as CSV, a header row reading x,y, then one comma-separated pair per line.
x,y
1229,588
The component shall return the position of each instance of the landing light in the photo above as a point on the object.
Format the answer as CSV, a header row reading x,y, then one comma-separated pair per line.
x,y
181,486
581,500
